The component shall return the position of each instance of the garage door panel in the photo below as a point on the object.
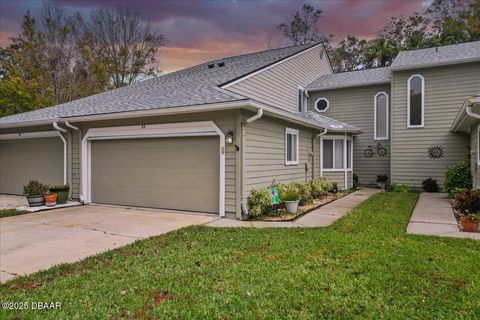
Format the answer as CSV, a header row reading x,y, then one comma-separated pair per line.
x,y
22,160
173,173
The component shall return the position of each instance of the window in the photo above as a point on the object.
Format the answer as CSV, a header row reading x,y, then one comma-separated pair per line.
x,y
380,116
415,102
291,146
337,153
322,104
302,99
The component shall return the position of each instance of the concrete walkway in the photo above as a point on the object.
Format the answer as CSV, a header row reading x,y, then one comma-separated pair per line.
x,y
433,215
321,217
36,241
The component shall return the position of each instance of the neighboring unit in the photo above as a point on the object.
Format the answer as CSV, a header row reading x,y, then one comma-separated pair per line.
x,y
199,139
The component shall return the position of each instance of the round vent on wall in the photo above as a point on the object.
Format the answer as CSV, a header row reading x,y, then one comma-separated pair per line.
x,y
321,105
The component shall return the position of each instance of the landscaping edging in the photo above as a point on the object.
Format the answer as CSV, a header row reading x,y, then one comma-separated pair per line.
x,y
298,216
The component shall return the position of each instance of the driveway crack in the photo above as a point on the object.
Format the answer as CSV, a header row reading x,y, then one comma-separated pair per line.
x,y
92,229
10,273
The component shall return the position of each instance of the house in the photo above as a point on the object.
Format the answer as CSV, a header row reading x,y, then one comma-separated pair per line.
x,y
200,138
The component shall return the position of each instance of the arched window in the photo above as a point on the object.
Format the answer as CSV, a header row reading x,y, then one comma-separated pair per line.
x,y
380,116
322,104
415,101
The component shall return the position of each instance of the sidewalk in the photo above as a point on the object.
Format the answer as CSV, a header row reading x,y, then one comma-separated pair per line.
x,y
433,215
321,217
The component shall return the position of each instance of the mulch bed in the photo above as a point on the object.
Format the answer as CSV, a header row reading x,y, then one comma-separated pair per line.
x,y
282,215
458,216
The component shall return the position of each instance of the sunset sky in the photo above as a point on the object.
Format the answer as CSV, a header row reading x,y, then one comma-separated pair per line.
x,y
199,31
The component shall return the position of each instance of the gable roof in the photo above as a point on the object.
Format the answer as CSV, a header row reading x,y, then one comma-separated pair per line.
x,y
444,55
351,79
196,85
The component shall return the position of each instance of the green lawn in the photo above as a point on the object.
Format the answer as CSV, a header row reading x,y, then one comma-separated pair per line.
x,y
363,266
11,212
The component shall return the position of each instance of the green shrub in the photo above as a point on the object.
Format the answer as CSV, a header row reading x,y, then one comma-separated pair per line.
x,y
399,188
430,185
259,201
304,190
34,188
355,180
291,196
320,187
467,202
382,178
458,176
456,191
283,189
63,187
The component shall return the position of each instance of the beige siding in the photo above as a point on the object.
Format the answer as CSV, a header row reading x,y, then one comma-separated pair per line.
x,y
445,91
265,154
474,155
224,120
355,106
278,86
337,177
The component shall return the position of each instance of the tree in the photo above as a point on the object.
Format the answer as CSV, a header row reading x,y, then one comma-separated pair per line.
x,y
456,20
348,54
302,28
119,44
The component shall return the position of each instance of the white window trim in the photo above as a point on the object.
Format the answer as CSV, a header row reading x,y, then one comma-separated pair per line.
x,y
375,137
297,135
185,129
321,98
422,125
478,145
337,137
304,102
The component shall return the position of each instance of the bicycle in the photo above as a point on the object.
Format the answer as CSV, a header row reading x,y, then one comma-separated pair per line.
x,y
378,149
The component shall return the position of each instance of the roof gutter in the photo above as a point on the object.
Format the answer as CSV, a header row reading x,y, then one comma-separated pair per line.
x,y
464,112
434,64
363,84
239,104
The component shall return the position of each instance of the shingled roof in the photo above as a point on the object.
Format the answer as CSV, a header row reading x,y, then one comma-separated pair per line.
x,y
456,53
192,86
351,79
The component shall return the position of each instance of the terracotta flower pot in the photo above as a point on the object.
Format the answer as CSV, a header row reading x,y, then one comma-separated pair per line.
x,y
469,225
50,199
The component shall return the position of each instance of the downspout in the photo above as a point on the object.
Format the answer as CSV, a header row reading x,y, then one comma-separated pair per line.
x,y
70,163
324,132
60,130
243,144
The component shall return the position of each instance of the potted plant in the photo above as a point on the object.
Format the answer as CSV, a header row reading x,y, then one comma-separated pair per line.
x,y
50,199
291,199
34,192
467,205
382,180
334,187
470,222
62,193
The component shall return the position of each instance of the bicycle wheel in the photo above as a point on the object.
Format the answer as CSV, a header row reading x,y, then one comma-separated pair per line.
x,y
368,153
381,151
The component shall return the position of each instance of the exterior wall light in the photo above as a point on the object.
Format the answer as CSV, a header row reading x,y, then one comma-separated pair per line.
x,y
229,137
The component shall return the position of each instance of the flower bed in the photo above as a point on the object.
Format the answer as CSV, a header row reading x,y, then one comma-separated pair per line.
x,y
466,207
283,215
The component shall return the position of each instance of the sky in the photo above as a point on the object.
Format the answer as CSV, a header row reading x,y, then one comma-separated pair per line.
x,y
199,31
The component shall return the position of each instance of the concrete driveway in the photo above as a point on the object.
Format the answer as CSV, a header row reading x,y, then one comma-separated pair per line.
x,y
36,241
